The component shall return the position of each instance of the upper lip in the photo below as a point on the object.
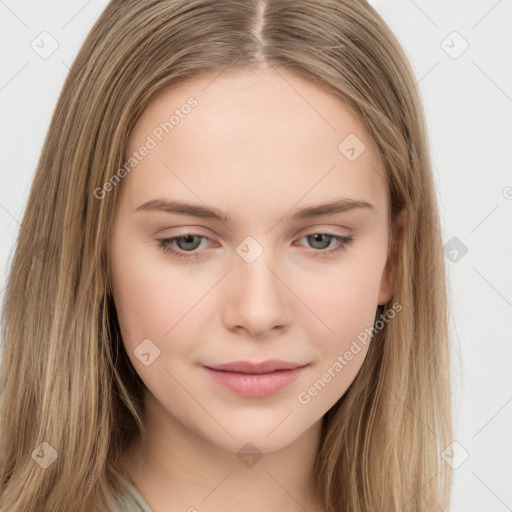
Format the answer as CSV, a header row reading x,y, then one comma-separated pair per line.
x,y
253,367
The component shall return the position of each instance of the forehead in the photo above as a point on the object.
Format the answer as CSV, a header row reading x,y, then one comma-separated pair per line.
x,y
253,134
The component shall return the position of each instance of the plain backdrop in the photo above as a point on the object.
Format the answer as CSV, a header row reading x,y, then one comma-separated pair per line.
x,y
461,53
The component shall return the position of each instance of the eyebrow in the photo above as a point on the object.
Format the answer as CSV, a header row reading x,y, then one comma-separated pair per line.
x,y
209,212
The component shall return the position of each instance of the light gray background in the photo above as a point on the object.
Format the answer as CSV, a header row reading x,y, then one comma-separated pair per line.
x,y
468,102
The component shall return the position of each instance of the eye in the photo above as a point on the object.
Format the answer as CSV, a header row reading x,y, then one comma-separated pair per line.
x,y
323,240
188,244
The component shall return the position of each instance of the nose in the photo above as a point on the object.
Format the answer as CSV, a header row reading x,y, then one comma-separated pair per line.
x,y
257,299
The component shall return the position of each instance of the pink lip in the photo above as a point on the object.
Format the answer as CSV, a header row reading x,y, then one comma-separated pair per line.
x,y
255,379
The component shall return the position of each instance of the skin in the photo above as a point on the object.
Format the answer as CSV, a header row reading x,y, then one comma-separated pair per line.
x,y
258,146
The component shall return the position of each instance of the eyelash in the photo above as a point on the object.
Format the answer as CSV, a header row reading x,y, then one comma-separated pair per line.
x,y
165,245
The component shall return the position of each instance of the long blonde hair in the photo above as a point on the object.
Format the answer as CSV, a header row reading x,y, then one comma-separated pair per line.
x,y
68,388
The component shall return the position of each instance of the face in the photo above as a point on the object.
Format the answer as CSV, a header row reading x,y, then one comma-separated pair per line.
x,y
220,253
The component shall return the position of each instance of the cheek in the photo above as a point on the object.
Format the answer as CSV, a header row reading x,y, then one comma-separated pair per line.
x,y
344,302
344,296
341,340
155,300
150,298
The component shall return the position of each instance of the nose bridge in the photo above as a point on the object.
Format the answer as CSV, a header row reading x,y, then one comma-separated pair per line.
x,y
257,300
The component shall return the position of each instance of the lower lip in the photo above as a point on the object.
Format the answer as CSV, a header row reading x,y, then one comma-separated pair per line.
x,y
255,384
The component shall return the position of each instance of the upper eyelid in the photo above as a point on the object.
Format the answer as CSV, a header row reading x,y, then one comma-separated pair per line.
x,y
303,232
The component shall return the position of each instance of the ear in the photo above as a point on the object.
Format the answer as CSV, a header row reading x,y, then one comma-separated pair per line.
x,y
388,279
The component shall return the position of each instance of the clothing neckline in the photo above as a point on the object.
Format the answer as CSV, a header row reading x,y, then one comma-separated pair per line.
x,y
137,497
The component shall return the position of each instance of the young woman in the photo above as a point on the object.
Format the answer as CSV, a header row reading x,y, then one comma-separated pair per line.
x,y
228,289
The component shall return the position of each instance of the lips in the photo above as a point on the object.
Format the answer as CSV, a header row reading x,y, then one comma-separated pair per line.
x,y
255,379
268,366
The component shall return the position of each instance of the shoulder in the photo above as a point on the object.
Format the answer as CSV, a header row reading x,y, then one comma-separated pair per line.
x,y
132,501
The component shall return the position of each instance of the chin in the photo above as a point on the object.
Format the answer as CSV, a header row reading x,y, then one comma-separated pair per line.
x,y
266,438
